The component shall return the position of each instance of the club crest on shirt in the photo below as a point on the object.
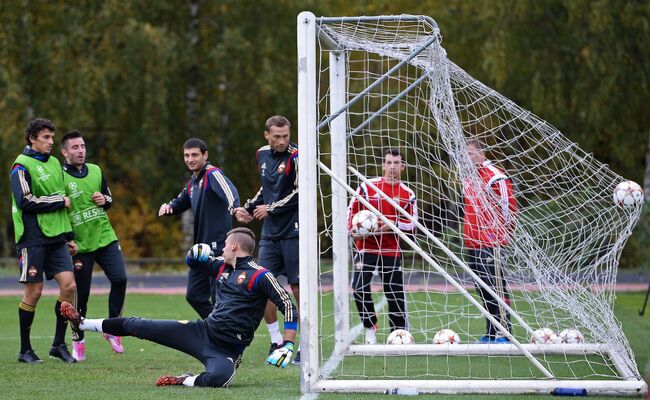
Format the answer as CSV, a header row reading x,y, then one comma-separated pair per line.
x,y
32,271
281,167
241,278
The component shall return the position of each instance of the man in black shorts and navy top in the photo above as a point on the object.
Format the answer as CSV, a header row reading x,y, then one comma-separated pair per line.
x,y
277,204
243,288
96,240
212,198
43,234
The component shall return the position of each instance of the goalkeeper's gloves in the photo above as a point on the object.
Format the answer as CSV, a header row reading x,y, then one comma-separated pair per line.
x,y
200,252
282,355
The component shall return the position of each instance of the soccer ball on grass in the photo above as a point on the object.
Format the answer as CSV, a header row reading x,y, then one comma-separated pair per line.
x,y
545,336
446,336
571,336
400,336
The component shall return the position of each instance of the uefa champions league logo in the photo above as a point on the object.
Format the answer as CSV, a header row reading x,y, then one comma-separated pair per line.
x,y
76,219
42,174
72,186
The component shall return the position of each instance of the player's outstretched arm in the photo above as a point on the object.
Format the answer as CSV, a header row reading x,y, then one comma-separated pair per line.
x,y
200,256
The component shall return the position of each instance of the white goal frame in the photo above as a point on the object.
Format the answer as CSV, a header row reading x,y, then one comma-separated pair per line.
x,y
313,376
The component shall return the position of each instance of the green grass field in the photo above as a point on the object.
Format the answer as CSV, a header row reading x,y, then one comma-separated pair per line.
x,y
105,375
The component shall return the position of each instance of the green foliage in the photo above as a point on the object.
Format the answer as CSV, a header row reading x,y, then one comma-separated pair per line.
x,y
139,77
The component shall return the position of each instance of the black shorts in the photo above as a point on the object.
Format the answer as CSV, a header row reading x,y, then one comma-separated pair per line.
x,y
49,259
281,257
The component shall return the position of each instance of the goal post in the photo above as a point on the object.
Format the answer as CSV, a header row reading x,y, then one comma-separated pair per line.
x,y
368,83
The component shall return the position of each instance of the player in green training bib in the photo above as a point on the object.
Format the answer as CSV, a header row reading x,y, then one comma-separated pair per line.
x,y
90,197
43,234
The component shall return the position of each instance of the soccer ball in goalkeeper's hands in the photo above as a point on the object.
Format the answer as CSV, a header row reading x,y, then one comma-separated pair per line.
x,y
400,336
364,223
545,336
200,252
445,336
628,193
571,336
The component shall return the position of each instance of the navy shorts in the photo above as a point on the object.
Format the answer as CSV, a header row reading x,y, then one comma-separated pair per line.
x,y
50,259
281,257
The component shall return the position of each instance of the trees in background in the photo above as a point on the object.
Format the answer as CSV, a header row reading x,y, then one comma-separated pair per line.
x,y
140,77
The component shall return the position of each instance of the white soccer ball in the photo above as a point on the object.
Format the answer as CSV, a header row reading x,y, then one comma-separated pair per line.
x,y
571,336
400,336
545,336
364,222
446,336
201,251
628,193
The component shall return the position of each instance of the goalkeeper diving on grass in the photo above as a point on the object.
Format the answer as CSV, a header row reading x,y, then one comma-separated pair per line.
x,y
242,290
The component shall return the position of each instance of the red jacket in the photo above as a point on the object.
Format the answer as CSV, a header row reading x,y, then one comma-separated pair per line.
x,y
386,244
490,208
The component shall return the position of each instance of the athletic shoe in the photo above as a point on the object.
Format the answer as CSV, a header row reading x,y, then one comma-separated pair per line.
x,y
296,360
116,343
274,347
29,357
371,335
61,352
72,315
502,339
79,350
169,380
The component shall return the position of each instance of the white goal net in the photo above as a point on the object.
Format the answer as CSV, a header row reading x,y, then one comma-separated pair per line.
x,y
368,84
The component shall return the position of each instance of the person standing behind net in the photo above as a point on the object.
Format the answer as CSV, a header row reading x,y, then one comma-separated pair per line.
x,y
90,197
243,288
277,204
381,250
43,234
213,199
490,211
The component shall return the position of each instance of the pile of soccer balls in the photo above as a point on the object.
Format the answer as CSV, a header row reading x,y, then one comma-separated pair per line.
x,y
547,336
444,336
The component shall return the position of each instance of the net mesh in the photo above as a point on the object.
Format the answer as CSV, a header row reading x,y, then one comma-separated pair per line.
x,y
560,262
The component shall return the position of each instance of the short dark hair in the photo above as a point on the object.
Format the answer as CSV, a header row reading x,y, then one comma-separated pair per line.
x,y
393,151
73,134
244,237
35,126
192,143
277,120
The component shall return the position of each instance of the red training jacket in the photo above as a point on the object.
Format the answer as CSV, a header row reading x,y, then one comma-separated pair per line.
x,y
386,244
490,209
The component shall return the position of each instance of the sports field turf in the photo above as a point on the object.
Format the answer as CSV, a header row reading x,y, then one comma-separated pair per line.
x,y
131,375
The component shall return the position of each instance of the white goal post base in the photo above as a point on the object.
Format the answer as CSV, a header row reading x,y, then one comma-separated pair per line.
x,y
475,349
603,388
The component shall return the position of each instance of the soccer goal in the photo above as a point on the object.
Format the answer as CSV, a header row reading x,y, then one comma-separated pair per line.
x,y
369,83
